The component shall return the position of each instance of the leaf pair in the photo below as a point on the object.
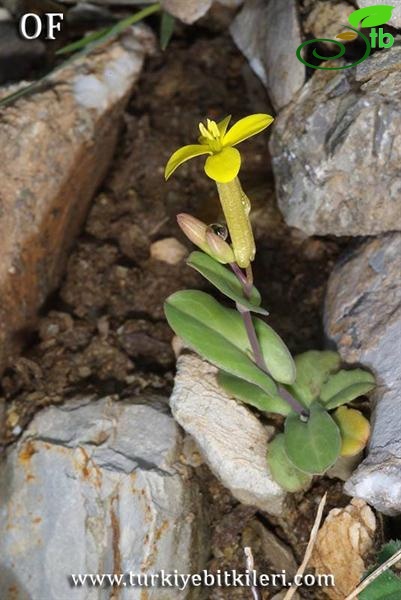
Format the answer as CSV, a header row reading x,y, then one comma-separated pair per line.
x,y
218,334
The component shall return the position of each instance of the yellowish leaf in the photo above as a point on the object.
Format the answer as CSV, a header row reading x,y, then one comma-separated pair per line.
x,y
354,428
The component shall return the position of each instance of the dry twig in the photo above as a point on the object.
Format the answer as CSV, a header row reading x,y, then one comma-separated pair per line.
x,y
310,546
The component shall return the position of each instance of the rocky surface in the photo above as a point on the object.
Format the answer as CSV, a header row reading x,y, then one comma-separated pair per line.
x,y
55,148
363,319
326,19
89,488
268,33
187,11
336,151
396,16
230,437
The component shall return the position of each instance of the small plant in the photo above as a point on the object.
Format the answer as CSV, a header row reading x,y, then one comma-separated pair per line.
x,y
255,366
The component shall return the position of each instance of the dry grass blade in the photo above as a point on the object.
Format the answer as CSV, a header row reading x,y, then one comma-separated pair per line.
x,y
250,565
376,573
310,546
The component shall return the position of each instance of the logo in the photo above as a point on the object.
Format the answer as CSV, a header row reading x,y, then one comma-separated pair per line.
x,y
370,16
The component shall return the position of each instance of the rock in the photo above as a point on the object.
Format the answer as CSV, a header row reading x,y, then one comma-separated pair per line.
x,y
327,18
265,543
232,440
55,148
395,20
342,544
268,33
363,318
168,250
18,57
336,151
90,488
188,11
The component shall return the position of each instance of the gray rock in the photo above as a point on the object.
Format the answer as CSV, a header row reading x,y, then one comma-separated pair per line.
x,y
336,151
363,318
268,33
93,487
395,20
188,11
231,438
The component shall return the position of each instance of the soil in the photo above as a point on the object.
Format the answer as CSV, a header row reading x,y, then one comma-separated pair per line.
x,y
104,331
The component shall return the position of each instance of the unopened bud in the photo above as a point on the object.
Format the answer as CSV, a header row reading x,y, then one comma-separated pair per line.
x,y
219,249
205,238
194,229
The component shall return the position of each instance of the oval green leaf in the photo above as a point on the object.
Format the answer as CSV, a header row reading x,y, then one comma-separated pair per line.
x,y
283,471
216,333
277,357
313,369
345,386
313,446
252,394
225,281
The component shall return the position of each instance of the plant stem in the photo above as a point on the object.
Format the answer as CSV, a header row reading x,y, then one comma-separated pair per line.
x,y
247,284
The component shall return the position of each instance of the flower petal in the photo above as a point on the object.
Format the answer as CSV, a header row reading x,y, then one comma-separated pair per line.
x,y
223,166
183,154
246,128
222,125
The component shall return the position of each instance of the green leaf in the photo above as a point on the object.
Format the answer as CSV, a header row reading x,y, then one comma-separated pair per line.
x,y
388,550
345,386
386,587
371,16
277,357
252,394
283,471
225,281
313,369
167,24
312,446
98,37
216,333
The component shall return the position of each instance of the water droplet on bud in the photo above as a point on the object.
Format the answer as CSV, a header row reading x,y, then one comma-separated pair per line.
x,y
219,229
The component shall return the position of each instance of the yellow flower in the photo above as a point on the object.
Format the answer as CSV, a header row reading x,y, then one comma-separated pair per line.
x,y
224,161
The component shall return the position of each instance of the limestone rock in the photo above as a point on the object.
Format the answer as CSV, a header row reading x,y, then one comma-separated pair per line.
x,y
55,148
336,151
341,546
91,488
231,438
268,33
395,20
363,318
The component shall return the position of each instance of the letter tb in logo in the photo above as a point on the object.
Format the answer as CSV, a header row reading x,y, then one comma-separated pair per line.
x,y
370,16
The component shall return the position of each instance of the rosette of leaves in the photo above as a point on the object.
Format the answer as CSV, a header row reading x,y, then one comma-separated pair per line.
x,y
312,440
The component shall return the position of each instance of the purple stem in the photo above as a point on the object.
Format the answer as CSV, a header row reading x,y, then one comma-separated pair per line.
x,y
247,285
